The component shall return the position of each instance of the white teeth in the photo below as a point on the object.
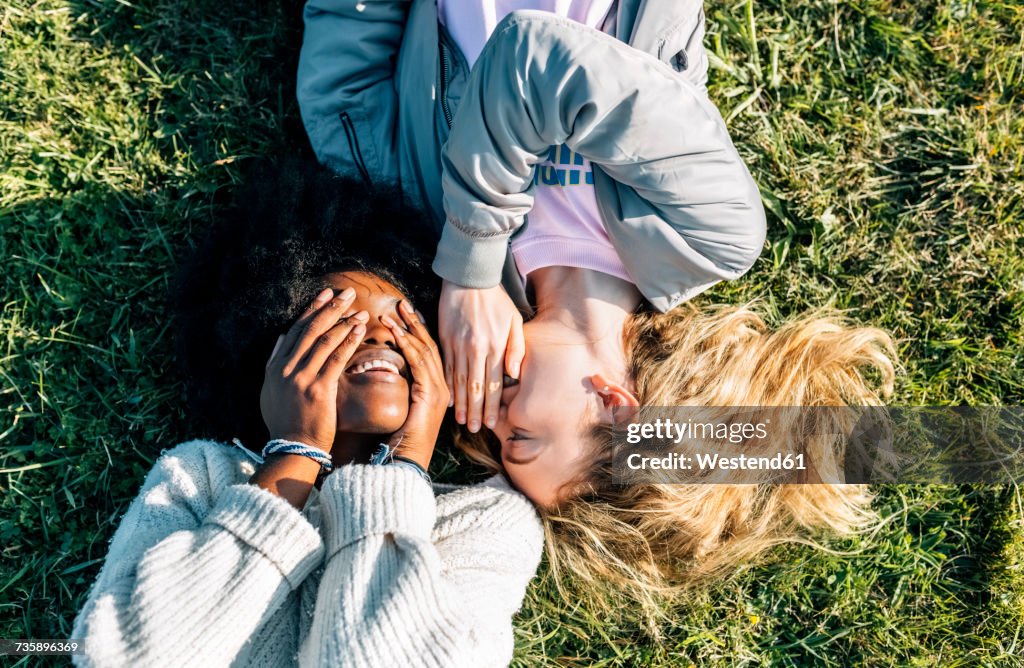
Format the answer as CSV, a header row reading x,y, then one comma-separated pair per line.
x,y
373,364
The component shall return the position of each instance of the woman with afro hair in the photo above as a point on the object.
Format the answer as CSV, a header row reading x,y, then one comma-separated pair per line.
x,y
297,330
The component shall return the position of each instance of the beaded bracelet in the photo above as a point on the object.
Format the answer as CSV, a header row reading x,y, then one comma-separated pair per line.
x,y
280,446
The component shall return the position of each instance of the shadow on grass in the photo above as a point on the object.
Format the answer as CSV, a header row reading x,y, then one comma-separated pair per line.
x,y
90,387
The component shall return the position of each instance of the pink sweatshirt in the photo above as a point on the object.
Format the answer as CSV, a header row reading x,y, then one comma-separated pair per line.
x,y
564,228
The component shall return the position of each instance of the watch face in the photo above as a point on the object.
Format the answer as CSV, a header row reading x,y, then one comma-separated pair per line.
x,y
382,455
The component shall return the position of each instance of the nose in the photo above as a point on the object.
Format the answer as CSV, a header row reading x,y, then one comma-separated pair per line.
x,y
501,428
508,395
378,335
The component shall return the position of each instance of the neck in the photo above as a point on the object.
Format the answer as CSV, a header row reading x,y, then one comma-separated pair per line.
x,y
591,305
355,448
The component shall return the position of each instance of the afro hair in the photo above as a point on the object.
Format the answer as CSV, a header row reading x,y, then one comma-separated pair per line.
x,y
263,262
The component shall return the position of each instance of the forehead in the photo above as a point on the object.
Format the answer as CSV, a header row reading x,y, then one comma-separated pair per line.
x,y
362,282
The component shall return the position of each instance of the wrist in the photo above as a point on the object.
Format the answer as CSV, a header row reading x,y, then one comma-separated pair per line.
x,y
415,456
290,477
415,447
409,447
470,261
388,455
305,439
279,446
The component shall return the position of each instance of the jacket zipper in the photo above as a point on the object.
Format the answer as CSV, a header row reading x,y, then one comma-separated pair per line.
x,y
445,73
353,147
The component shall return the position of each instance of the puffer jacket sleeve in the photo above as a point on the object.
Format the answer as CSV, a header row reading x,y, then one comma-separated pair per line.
x,y
681,189
403,586
345,85
198,564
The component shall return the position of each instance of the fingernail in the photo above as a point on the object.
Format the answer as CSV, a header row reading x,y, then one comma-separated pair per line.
x,y
515,370
392,325
460,417
347,293
474,426
361,316
359,329
491,421
407,307
324,296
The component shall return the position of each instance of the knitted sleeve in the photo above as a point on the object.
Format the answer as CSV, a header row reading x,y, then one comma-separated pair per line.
x,y
199,562
398,591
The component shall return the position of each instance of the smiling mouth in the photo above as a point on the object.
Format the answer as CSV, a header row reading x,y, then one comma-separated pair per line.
x,y
378,363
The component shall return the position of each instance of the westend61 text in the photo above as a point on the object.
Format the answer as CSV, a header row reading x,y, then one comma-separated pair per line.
x,y
713,462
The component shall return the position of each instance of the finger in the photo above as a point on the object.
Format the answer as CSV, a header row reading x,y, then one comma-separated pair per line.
x,y
318,323
492,398
449,373
337,360
422,356
413,350
461,370
292,335
414,322
515,349
475,400
277,346
424,365
418,329
328,343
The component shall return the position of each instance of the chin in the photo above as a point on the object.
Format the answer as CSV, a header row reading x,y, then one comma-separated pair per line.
x,y
376,426
380,428
372,417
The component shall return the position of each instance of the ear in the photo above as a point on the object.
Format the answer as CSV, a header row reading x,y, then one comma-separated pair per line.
x,y
613,396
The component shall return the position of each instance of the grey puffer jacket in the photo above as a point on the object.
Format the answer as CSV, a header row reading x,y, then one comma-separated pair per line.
x,y
386,95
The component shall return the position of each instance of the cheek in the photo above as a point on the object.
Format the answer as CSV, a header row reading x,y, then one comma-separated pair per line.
x,y
552,406
553,384
393,411
534,484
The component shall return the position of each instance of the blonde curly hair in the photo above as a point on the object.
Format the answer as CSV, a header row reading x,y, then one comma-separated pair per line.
x,y
648,542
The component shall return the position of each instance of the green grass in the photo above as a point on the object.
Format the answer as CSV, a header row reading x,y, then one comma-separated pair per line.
x,y
888,141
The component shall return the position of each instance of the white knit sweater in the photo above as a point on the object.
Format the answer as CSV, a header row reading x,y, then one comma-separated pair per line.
x,y
377,570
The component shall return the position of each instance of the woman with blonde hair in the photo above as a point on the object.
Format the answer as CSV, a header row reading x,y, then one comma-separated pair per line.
x,y
653,540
